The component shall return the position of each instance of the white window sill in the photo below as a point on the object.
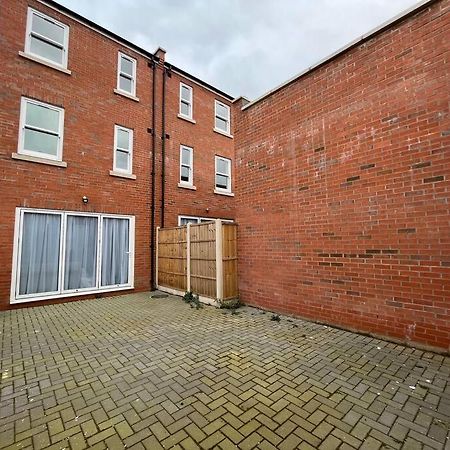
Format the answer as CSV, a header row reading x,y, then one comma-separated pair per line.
x,y
122,175
186,118
35,159
187,186
223,133
228,194
126,94
45,63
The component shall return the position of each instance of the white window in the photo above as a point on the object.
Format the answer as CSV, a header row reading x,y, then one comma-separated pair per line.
x,y
46,38
185,101
184,220
123,150
223,174
41,129
222,117
186,165
126,74
65,253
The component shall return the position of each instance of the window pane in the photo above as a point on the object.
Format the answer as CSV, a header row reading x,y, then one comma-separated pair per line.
x,y
81,252
125,84
37,141
46,50
221,124
48,29
126,66
185,109
222,181
223,166
185,173
222,111
186,157
123,138
186,220
185,94
115,251
42,117
39,263
122,160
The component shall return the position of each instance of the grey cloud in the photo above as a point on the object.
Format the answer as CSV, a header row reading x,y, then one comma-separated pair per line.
x,y
244,47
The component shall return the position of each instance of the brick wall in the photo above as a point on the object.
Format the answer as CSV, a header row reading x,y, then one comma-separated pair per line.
x,y
342,188
202,202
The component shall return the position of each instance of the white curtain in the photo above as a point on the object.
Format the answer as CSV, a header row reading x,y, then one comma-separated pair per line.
x,y
81,252
39,263
115,251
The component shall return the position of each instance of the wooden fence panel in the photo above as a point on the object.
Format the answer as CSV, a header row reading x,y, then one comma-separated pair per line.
x,y
172,262
203,259
229,257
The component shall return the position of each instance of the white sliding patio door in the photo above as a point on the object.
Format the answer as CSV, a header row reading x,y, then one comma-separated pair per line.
x,y
59,253
40,253
80,270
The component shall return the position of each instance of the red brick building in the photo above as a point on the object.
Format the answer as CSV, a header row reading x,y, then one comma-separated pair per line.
x,y
339,178
86,121
343,180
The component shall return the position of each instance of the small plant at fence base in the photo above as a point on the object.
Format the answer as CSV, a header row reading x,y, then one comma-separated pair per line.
x,y
233,304
192,299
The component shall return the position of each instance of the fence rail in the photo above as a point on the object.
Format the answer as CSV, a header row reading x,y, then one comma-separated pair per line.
x,y
200,258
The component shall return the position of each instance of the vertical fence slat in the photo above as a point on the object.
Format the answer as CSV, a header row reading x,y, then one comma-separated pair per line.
x,y
219,260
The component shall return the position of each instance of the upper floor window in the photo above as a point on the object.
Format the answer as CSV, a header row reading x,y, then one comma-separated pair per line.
x,y
223,175
185,100
186,165
47,38
123,149
222,117
126,74
41,129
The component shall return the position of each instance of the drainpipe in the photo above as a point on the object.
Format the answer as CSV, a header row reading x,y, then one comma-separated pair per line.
x,y
152,64
166,73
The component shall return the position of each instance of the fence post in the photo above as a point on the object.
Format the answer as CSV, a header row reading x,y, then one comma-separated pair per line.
x,y
219,260
188,257
157,257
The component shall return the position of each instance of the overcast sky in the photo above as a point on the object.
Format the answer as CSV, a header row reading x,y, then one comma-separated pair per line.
x,y
244,47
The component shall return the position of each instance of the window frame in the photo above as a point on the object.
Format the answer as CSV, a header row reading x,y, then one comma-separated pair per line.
x,y
190,182
29,31
220,190
199,219
61,292
119,73
22,125
190,103
227,119
130,132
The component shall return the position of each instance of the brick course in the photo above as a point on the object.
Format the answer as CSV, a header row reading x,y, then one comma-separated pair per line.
x,y
343,186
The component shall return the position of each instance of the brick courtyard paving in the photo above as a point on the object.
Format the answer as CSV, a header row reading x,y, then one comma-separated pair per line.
x,y
137,372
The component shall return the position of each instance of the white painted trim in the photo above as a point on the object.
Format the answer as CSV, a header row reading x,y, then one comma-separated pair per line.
x,y
133,61
219,260
122,175
35,159
219,190
190,182
190,102
61,293
44,62
339,51
187,119
205,300
199,219
24,101
116,170
125,94
188,257
226,132
187,186
217,130
65,45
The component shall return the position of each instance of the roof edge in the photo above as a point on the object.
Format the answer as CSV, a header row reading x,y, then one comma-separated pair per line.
x,y
352,44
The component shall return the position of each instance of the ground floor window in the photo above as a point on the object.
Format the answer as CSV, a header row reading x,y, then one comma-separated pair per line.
x,y
60,253
184,220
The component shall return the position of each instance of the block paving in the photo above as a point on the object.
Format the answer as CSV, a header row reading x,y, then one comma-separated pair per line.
x,y
151,373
